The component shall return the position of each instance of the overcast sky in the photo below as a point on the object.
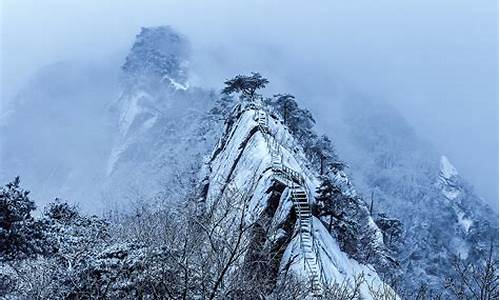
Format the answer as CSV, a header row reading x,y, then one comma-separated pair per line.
x,y
436,61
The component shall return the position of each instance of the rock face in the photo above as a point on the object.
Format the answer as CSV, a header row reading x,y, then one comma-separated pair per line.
x,y
258,159
66,140
450,186
162,126
473,220
159,52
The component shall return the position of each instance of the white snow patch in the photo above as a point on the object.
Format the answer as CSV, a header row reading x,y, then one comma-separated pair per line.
x,y
114,157
126,141
463,220
448,171
335,265
177,85
450,193
131,111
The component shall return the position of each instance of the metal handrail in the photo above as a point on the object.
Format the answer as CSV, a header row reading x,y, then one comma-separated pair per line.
x,y
296,181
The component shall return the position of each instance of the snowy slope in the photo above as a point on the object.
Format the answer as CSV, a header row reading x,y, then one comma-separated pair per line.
x,y
450,187
441,214
242,161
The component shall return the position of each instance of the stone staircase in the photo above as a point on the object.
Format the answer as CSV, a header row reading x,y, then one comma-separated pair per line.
x,y
304,215
296,185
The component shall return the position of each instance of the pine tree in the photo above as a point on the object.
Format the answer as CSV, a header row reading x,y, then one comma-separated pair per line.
x,y
334,207
61,211
246,85
222,107
299,120
20,235
285,105
326,195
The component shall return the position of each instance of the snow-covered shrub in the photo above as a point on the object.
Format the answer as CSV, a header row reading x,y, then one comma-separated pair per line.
x,y
20,235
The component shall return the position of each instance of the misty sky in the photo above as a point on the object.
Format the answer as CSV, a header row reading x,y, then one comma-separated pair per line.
x,y
436,61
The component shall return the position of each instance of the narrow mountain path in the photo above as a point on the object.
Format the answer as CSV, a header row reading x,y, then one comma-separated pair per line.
x,y
300,200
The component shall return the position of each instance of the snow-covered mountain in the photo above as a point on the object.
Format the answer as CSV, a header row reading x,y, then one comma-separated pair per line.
x,y
259,167
161,124
441,214
164,140
104,139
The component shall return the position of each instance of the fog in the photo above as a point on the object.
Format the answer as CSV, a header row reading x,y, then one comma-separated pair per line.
x,y
435,61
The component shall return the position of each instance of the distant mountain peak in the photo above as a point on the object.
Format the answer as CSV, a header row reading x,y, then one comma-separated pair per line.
x,y
159,52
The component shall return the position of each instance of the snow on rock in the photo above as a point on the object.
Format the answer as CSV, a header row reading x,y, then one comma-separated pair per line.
x,y
447,176
463,220
450,186
132,109
448,171
242,162
161,126
176,84
335,265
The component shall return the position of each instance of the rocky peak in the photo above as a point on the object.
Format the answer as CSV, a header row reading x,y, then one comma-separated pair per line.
x,y
158,52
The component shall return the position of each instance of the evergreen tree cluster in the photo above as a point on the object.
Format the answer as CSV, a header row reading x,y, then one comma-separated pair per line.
x,y
298,120
20,234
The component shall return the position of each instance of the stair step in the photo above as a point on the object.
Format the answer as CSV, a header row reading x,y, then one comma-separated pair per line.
x,y
303,213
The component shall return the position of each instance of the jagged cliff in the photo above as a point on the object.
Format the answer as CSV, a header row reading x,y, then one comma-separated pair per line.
x,y
259,164
161,122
